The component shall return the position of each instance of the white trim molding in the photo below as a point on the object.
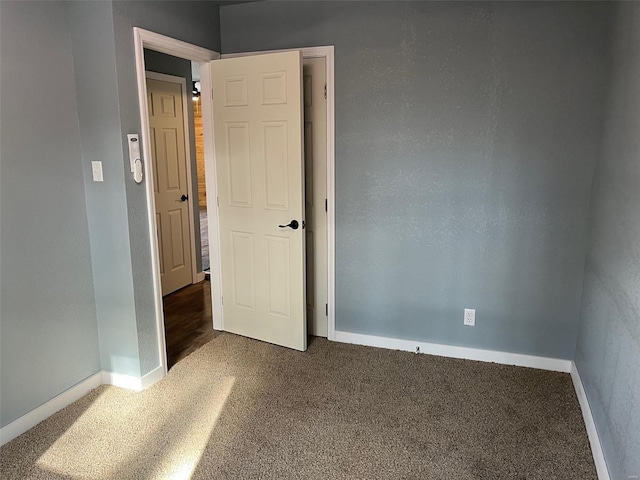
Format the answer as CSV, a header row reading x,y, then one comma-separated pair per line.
x,y
452,351
171,46
211,179
154,376
131,382
590,424
160,43
44,411
331,195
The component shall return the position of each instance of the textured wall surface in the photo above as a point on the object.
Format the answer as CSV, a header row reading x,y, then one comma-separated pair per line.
x,y
193,22
91,26
48,334
608,351
179,67
466,137
61,232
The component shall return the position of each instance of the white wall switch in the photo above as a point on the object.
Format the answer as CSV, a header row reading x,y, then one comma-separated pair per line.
x,y
96,169
470,317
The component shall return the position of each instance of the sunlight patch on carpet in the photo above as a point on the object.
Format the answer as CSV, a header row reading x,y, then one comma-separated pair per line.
x,y
181,461
167,433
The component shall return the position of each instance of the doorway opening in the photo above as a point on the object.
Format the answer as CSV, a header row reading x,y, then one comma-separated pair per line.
x,y
152,41
175,120
200,167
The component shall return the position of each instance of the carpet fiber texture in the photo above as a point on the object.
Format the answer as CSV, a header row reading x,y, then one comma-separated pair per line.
x,y
239,408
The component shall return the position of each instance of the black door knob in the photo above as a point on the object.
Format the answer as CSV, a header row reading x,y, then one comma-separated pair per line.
x,y
293,225
184,198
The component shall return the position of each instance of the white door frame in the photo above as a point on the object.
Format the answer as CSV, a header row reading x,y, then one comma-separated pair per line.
x,y
161,43
325,52
195,275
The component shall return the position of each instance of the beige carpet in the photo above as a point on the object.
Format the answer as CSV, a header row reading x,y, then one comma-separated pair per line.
x,y
239,409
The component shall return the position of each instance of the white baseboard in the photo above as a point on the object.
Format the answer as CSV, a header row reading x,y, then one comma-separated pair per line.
x,y
592,432
494,356
37,415
200,276
44,411
131,382
152,377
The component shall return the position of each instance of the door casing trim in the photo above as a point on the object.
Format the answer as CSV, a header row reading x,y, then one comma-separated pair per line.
x,y
161,43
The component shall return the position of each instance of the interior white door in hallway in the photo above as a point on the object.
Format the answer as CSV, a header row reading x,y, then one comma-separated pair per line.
x,y
258,117
169,160
315,158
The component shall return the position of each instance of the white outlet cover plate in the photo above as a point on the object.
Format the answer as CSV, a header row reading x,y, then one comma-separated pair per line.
x,y
470,317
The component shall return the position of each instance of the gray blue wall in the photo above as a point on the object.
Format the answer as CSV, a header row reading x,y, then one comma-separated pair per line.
x,y
191,21
608,352
49,336
91,26
76,289
179,67
466,138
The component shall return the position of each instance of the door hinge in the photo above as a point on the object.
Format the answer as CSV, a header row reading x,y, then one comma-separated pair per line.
x,y
222,300
326,309
218,201
326,205
212,94
325,91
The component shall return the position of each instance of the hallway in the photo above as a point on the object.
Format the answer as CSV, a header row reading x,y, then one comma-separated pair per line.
x,y
187,321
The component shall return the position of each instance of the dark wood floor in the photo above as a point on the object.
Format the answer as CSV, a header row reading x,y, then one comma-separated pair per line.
x,y
187,321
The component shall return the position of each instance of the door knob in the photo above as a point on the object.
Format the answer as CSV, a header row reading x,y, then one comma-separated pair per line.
x,y
293,225
184,198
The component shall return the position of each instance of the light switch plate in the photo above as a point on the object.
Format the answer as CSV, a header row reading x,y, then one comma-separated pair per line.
x,y
96,169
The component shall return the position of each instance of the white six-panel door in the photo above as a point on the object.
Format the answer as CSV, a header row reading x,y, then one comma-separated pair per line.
x,y
258,121
166,127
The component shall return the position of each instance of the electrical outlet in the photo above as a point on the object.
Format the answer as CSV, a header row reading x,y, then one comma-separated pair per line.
x,y
470,317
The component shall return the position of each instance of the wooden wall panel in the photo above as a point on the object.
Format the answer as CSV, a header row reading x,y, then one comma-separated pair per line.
x,y
202,187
